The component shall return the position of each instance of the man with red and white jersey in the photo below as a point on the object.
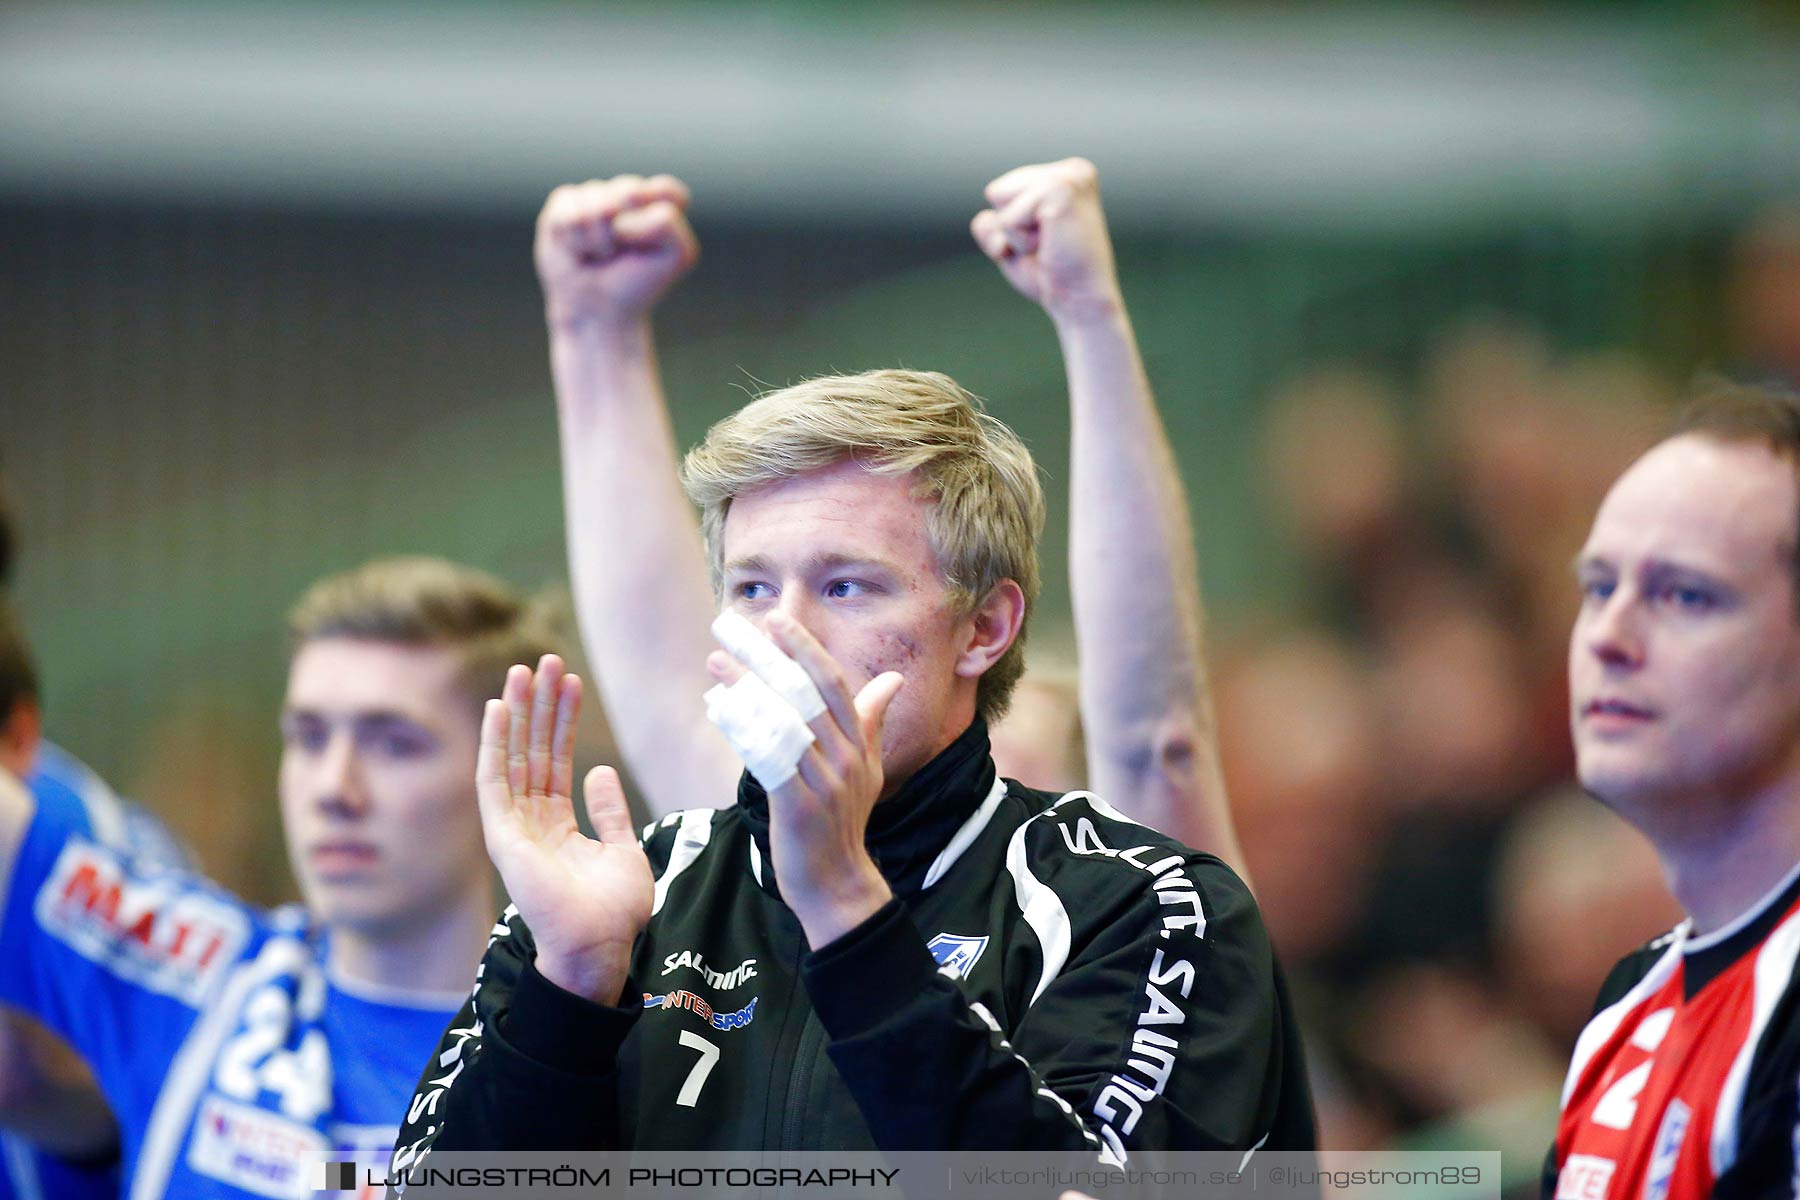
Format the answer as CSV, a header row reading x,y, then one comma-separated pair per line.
x,y
1684,681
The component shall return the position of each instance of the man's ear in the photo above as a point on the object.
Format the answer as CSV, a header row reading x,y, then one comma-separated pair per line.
x,y
993,628
20,731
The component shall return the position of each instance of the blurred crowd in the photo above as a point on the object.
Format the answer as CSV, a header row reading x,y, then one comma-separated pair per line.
x,y
1399,765
1445,899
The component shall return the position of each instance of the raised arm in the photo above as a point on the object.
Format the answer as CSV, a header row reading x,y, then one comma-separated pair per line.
x,y
1151,743
606,251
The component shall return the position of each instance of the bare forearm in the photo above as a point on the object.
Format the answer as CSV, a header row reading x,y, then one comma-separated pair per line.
x,y
638,565
1136,594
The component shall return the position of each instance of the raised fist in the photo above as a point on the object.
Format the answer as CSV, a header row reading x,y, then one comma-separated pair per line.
x,y
1047,232
609,248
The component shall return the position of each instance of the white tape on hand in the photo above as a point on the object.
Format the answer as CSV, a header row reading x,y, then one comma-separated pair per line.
x,y
752,647
763,728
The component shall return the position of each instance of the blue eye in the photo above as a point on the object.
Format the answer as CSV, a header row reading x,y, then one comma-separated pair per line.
x,y
751,591
403,745
310,736
1690,599
1597,589
842,589
396,739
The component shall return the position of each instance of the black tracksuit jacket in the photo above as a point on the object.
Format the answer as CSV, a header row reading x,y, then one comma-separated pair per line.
x,y
1050,975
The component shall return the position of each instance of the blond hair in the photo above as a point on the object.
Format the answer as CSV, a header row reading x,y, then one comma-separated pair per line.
x,y
420,601
989,508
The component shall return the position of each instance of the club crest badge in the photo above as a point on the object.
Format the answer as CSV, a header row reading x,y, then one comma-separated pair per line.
x,y
955,953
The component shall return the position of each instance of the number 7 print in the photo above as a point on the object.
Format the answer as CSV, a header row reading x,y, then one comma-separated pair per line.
x,y
709,1057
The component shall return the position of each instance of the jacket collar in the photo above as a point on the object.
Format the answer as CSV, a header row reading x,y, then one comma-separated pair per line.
x,y
908,829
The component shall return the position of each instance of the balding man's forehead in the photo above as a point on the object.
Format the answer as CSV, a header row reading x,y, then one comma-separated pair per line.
x,y
1717,504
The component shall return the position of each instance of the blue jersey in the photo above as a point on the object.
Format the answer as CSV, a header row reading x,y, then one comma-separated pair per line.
x,y
92,808
229,1057
64,785
29,1174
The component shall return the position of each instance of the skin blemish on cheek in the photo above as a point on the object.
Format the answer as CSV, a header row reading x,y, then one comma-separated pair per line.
x,y
892,652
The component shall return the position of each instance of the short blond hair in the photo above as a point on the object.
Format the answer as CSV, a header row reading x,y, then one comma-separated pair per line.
x,y
989,508
421,601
